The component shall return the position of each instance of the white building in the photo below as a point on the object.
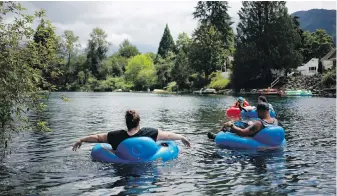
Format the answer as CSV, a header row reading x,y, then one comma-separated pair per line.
x,y
310,68
329,60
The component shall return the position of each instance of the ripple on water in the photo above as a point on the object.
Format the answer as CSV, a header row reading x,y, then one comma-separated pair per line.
x,y
43,163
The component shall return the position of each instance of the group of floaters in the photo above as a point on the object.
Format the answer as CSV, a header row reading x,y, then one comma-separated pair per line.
x,y
242,109
150,144
263,131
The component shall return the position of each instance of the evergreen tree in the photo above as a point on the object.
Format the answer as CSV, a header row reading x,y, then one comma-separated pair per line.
x,y
48,47
215,13
166,44
267,39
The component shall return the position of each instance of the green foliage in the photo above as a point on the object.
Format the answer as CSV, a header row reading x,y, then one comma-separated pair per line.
x,y
127,50
183,42
65,99
151,55
164,68
316,44
140,72
329,78
47,46
267,39
42,126
181,70
28,60
214,13
113,66
166,44
70,44
172,86
218,82
97,48
112,83
197,81
206,54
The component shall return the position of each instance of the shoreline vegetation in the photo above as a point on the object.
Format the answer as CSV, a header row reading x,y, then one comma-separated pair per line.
x,y
36,59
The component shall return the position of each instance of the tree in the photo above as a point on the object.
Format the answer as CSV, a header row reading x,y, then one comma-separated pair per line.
x,y
127,50
181,70
266,39
48,47
206,54
183,42
163,68
96,52
141,72
214,13
316,44
70,44
151,55
113,66
166,44
20,67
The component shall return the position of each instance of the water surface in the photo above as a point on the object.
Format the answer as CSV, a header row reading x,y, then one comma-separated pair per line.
x,y
43,163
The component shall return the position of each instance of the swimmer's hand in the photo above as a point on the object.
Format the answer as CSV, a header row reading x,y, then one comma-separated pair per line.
x,y
77,145
185,141
227,124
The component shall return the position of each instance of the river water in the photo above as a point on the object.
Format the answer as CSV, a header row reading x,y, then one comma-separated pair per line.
x,y
43,163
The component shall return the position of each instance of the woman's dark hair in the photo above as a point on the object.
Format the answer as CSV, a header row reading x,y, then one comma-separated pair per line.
x,y
263,106
263,99
132,119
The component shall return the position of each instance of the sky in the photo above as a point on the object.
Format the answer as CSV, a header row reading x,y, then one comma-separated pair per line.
x,y
142,23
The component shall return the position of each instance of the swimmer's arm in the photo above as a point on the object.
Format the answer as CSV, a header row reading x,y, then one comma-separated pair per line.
x,y
166,135
98,138
250,130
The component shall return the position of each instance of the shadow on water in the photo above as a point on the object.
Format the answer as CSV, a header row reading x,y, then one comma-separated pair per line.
x,y
134,179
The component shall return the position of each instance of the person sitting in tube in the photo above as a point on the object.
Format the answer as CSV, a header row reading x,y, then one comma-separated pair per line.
x,y
259,100
114,138
241,103
252,128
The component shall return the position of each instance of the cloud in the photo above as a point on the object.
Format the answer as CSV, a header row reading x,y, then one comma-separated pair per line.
x,y
142,23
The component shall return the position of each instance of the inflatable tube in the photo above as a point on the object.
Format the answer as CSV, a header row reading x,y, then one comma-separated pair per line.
x,y
267,138
136,150
253,114
233,112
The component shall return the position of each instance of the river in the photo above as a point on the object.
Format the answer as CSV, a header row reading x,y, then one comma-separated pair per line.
x,y
42,163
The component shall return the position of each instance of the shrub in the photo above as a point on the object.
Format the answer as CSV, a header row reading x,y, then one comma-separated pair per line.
x,y
329,79
172,86
218,82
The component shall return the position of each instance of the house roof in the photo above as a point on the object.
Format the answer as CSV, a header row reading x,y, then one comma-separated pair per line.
x,y
330,55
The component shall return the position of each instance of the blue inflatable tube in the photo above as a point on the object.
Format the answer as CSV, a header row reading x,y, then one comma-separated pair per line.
x,y
253,114
136,150
267,138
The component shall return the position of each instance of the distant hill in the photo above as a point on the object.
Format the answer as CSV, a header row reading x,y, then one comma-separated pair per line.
x,y
318,19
